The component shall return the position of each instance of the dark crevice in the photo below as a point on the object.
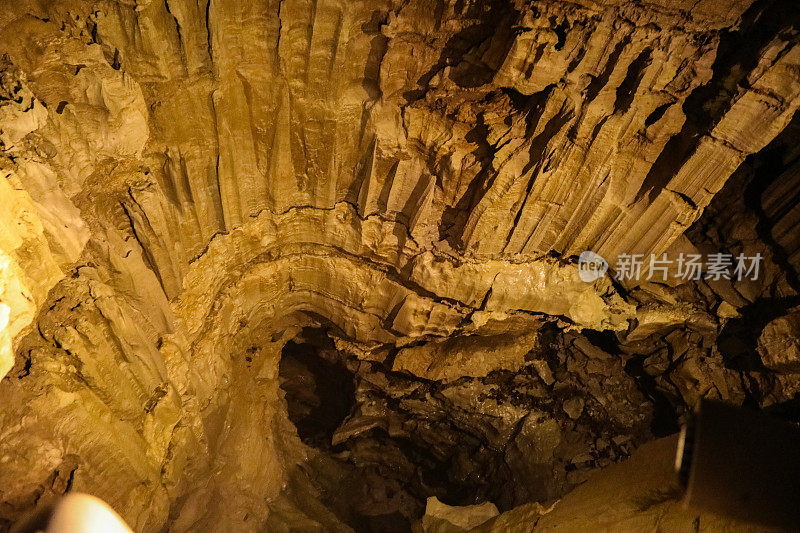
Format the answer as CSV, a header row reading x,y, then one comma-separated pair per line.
x,y
657,114
665,414
561,35
598,82
627,89
738,339
770,166
319,390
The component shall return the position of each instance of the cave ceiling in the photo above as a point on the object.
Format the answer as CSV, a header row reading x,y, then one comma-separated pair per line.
x,y
282,265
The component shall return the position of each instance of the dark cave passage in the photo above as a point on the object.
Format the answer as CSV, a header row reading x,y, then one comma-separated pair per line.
x,y
390,440
319,391
392,468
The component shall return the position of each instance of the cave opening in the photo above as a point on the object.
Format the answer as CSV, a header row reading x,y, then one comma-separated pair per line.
x,y
388,439
391,457
319,389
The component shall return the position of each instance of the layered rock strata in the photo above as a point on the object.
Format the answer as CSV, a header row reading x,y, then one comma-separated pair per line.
x,y
206,201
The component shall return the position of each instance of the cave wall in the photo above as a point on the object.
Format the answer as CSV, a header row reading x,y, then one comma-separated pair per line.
x,y
188,185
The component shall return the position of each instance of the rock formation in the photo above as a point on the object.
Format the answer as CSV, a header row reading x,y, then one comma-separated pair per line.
x,y
312,264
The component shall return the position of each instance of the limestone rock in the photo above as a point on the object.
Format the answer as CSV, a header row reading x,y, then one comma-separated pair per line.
x,y
455,518
275,264
636,495
779,344
466,356
42,232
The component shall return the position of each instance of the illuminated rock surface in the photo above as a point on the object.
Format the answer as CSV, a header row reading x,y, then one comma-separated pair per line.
x,y
303,265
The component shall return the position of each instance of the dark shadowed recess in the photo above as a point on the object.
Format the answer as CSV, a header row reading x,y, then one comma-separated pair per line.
x,y
319,390
758,198
372,480
389,440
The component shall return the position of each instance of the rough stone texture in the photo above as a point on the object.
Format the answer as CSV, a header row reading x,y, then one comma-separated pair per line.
x,y
204,203
442,518
637,495
779,344
41,231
